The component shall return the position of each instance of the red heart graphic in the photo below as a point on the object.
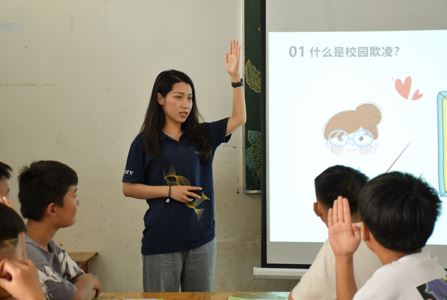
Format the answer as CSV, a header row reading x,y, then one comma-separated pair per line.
x,y
417,95
403,88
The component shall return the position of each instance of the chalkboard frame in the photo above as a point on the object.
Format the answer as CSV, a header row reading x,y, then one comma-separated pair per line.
x,y
253,71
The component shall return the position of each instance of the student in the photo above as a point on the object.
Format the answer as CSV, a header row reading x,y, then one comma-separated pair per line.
x,y
399,213
319,281
5,174
48,199
170,166
18,275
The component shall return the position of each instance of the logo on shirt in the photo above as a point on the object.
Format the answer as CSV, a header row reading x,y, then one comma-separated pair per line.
x,y
128,172
434,290
171,178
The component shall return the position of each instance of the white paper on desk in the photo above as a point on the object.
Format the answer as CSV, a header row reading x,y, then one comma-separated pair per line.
x,y
260,296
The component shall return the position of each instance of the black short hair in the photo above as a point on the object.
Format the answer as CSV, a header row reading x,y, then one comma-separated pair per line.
x,y
11,224
43,183
5,171
337,181
400,210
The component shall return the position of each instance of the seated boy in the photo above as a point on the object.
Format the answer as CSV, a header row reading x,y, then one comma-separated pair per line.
x,y
5,174
399,213
48,199
319,281
18,276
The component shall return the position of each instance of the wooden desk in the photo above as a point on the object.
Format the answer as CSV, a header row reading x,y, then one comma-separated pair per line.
x,y
82,258
192,295
141,295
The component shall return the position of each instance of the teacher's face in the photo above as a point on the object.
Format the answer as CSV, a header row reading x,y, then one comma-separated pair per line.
x,y
177,104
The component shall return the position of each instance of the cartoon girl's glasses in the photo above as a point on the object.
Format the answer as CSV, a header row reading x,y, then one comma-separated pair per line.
x,y
340,138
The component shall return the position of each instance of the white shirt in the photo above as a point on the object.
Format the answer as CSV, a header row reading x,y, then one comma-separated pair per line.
x,y
319,281
401,278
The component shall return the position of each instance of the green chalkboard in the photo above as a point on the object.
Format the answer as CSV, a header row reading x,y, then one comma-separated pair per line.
x,y
254,67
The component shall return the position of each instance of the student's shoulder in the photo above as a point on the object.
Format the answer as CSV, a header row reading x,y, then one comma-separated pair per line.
x,y
35,253
319,280
324,262
384,283
56,286
377,288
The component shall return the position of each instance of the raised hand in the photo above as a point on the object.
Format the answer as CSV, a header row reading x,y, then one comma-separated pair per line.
x,y
232,60
344,237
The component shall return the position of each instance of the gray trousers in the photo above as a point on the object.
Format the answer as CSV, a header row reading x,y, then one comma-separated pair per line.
x,y
188,271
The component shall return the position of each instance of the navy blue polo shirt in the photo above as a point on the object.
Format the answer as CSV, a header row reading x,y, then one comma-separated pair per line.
x,y
172,226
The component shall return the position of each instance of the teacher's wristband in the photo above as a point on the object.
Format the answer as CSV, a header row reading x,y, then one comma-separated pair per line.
x,y
168,199
237,84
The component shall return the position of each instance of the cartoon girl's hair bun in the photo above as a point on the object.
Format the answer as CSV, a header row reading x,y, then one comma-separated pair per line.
x,y
369,113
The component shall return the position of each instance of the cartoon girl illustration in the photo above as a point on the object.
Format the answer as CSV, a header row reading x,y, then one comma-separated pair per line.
x,y
353,130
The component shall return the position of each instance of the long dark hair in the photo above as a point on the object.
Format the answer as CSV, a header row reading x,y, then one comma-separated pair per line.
x,y
155,118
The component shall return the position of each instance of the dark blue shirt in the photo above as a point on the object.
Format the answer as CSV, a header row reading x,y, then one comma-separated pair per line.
x,y
173,226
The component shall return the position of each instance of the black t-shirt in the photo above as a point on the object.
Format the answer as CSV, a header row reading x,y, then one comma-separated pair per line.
x,y
171,226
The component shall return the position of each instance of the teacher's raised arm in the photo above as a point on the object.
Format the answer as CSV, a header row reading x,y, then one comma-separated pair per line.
x,y
232,61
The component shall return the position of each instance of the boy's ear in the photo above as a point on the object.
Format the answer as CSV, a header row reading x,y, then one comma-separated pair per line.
x,y
317,209
51,209
369,239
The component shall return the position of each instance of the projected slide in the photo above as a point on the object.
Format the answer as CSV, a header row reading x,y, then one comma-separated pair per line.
x,y
376,101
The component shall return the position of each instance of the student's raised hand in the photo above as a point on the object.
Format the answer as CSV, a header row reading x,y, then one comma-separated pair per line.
x,y
232,60
344,237
20,279
184,193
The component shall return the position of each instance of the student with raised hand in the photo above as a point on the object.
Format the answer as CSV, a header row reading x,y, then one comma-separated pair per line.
x,y
399,212
18,275
5,174
319,281
170,166
48,199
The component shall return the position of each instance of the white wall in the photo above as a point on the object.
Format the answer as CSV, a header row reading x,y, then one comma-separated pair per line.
x,y
74,83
